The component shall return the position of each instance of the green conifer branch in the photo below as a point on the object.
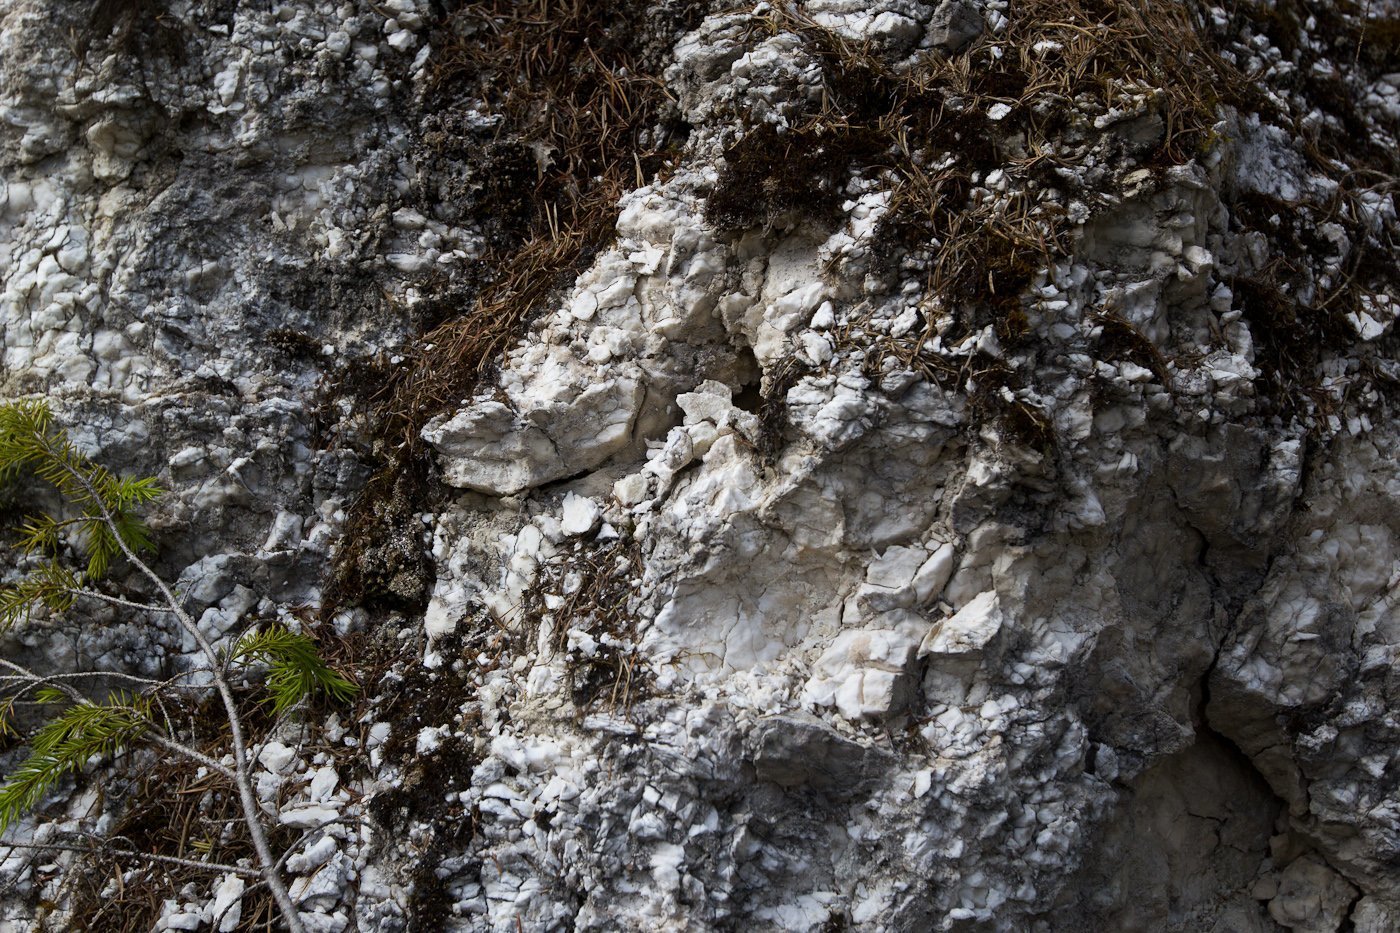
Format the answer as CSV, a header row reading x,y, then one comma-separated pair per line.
x,y
107,527
295,668
51,586
107,502
66,743
7,717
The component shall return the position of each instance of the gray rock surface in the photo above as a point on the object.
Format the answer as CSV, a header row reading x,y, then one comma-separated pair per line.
x,y
759,584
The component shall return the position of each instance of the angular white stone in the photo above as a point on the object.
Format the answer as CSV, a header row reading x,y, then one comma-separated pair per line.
x,y
861,673
580,514
277,758
967,631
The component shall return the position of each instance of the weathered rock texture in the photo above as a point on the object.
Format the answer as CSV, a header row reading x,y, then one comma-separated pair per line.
x,y
778,577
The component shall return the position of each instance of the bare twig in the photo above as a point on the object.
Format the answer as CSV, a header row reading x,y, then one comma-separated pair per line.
x,y
133,853
117,600
58,681
242,778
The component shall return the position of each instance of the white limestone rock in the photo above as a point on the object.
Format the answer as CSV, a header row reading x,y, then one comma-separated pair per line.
x,y
499,451
870,653
581,514
1311,898
863,674
968,631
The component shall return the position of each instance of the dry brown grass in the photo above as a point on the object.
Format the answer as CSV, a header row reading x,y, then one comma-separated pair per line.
x,y
565,77
573,80
1055,59
926,132
1058,65
166,810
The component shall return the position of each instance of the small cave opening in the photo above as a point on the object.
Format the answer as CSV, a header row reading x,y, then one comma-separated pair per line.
x,y
748,384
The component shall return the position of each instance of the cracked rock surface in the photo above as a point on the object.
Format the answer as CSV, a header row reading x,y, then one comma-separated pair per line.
x,y
761,582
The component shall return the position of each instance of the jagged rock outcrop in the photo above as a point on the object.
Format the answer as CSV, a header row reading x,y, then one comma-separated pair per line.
x,y
958,492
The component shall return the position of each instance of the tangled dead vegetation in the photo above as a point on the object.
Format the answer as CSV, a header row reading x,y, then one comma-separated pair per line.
x,y
985,149
589,603
579,116
167,812
174,827
581,119
1026,102
980,149
1304,300
993,156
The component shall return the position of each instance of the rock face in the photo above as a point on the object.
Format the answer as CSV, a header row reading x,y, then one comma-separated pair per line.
x,y
805,559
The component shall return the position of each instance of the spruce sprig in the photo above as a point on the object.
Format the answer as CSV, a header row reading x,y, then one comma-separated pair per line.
x,y
29,439
102,524
52,585
295,668
7,715
66,743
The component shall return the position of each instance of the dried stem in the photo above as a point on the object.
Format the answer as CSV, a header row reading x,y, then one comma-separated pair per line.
x,y
241,775
134,853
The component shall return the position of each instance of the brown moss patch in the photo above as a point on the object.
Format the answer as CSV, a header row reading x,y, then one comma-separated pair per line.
x,y
771,178
1120,340
381,560
773,410
130,28
1290,340
1296,316
422,807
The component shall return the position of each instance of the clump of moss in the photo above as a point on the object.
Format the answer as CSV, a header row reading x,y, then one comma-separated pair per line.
x,y
1289,338
994,398
772,408
772,177
137,29
1296,316
381,559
